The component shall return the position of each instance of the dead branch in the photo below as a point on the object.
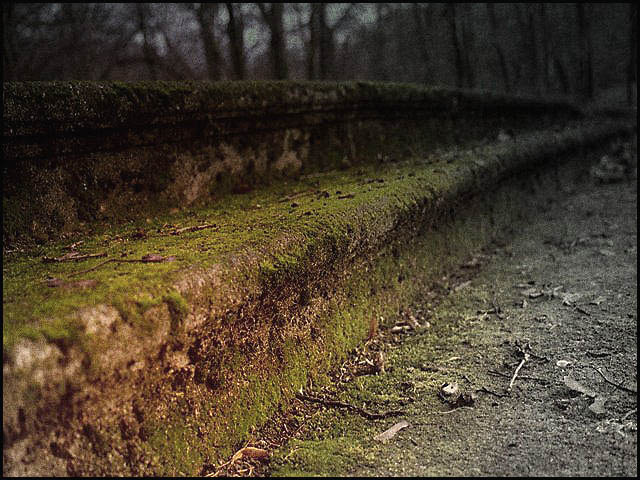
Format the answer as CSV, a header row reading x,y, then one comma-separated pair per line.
x,y
515,374
353,408
491,392
581,310
92,268
73,257
617,385
521,377
234,458
193,229
152,258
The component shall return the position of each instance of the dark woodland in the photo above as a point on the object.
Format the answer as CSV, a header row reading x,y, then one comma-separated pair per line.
x,y
574,49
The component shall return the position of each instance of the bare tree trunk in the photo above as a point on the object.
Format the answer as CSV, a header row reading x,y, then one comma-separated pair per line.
x,y
321,53
8,43
273,16
493,25
314,41
533,48
148,52
632,68
467,47
175,64
235,32
450,13
326,45
528,32
420,14
544,40
586,67
206,14
562,75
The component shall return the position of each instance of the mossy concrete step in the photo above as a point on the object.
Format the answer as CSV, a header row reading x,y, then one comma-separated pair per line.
x,y
76,152
161,355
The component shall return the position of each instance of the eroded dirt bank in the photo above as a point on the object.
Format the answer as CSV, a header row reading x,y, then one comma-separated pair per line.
x,y
563,291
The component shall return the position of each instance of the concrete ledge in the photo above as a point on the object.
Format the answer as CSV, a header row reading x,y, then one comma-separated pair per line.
x,y
159,367
80,152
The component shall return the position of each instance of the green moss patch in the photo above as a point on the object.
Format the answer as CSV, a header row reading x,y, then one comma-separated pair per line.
x,y
287,280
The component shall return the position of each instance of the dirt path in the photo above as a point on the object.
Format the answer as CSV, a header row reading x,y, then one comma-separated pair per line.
x,y
563,291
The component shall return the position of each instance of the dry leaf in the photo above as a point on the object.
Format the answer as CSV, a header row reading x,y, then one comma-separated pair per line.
x,y
250,452
578,387
597,406
254,452
391,432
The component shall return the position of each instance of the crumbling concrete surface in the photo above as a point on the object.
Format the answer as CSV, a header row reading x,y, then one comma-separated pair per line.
x,y
155,346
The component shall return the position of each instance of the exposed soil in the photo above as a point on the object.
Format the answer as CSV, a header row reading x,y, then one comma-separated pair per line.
x,y
561,294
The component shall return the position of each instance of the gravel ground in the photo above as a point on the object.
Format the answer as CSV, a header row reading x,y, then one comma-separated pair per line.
x,y
557,303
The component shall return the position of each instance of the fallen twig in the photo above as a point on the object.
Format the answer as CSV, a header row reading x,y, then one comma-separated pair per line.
x,y
151,258
73,257
515,374
628,414
491,392
521,377
74,245
95,267
621,387
193,229
539,357
234,458
353,408
581,310
526,349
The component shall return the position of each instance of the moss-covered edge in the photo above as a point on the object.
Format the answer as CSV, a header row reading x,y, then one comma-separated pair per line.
x,y
77,152
82,104
337,338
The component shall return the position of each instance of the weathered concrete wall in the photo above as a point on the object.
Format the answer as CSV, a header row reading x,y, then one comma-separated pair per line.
x,y
139,368
78,152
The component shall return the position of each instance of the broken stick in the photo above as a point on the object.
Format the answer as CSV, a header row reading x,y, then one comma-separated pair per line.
x,y
72,257
353,408
151,258
617,385
193,229
515,374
